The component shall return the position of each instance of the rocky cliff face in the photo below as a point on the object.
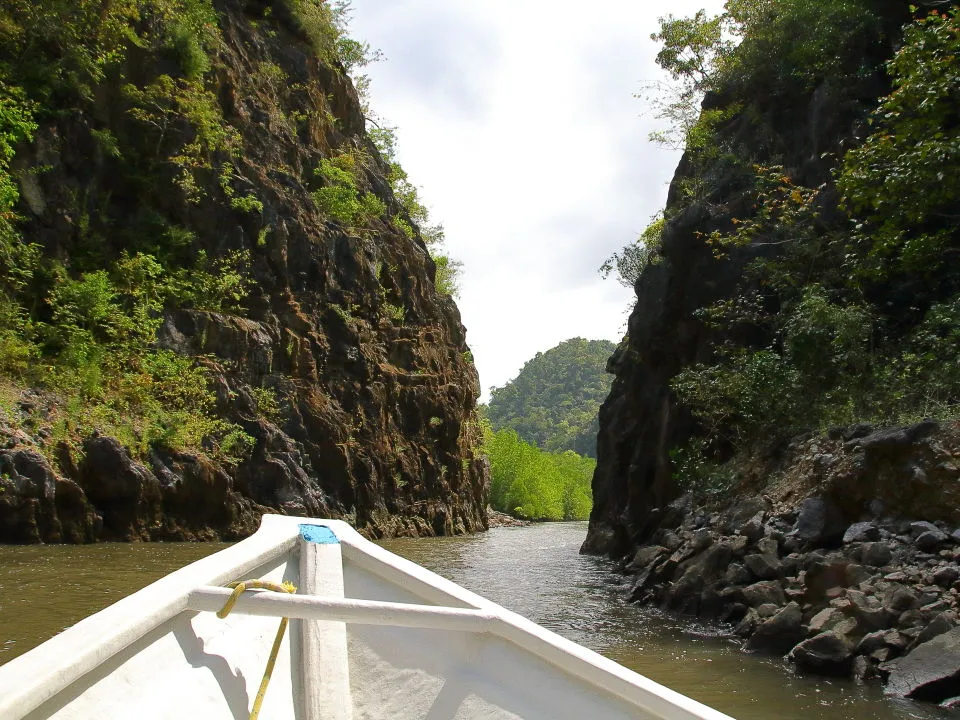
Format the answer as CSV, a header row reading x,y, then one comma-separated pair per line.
x,y
367,362
641,420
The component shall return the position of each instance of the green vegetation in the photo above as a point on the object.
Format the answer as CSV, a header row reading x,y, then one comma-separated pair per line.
x,y
902,184
554,400
84,326
414,216
134,82
341,198
632,260
849,300
529,483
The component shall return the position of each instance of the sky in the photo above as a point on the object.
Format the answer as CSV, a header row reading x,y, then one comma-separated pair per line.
x,y
518,121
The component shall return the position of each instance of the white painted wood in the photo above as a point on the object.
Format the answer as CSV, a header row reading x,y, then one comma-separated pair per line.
x,y
151,656
363,612
36,676
324,665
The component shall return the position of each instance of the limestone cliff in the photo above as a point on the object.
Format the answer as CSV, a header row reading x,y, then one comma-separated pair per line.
x,y
341,363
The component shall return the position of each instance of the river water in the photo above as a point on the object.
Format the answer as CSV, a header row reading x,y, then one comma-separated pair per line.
x,y
535,571
538,572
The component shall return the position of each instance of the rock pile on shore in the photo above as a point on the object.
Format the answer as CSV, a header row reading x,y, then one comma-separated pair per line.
x,y
495,518
876,598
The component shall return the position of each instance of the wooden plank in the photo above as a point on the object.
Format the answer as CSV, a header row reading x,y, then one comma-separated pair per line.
x,y
324,663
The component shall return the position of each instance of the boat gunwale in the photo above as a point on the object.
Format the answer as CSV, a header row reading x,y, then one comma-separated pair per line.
x,y
579,661
41,673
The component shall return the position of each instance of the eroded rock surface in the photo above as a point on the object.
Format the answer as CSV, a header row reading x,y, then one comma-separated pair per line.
x,y
345,327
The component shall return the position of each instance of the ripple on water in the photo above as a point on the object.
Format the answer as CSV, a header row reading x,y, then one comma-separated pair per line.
x,y
535,571
538,572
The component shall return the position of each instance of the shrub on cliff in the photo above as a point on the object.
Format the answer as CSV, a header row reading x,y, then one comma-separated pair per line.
x,y
844,310
81,319
902,185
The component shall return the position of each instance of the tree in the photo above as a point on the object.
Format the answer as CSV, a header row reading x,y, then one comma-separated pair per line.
x,y
530,483
632,259
554,400
903,182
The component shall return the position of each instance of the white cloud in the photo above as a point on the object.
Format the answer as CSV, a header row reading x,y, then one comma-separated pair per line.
x,y
517,119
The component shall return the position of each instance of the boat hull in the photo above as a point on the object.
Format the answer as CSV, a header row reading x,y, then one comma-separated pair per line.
x,y
375,636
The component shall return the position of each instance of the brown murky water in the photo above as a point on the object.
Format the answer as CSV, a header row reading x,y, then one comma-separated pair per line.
x,y
535,571
47,588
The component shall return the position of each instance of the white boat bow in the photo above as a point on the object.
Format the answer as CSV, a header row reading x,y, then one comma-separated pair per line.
x,y
371,636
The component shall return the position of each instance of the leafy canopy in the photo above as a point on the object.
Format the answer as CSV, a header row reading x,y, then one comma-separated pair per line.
x,y
554,400
529,483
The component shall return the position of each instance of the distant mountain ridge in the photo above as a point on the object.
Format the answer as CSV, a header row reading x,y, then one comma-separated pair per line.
x,y
554,400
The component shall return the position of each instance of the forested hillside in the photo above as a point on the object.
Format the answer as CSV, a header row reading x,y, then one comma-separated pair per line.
x,y
217,295
542,439
553,401
531,483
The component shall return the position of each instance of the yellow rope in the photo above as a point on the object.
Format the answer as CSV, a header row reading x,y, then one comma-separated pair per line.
x,y
238,589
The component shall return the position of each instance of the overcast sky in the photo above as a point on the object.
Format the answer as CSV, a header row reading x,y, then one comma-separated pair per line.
x,y
518,121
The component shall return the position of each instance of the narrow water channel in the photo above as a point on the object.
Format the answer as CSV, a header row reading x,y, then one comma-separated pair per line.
x,y
538,572
535,571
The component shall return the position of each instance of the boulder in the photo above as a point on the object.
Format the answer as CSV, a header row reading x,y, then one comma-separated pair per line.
x,y
644,585
779,633
899,599
765,591
930,541
753,529
854,432
920,527
748,623
893,440
861,532
942,623
946,576
857,574
670,540
864,670
743,512
821,577
896,639
868,611
733,613
825,654
768,546
884,654
767,610
737,574
871,641
701,540
819,522
931,672
876,554
826,619
714,560
765,567
912,620
645,556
